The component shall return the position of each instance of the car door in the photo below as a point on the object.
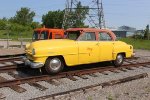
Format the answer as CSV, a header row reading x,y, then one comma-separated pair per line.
x,y
88,48
106,45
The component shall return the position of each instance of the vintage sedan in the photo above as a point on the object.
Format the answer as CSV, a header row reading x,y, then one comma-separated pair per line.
x,y
81,46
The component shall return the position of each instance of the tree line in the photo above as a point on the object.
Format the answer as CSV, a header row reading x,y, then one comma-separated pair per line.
x,y
23,20
143,34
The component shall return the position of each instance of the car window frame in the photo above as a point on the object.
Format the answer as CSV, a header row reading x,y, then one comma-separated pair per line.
x,y
111,39
78,39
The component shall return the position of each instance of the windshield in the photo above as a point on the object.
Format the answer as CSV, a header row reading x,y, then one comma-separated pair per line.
x,y
37,35
44,35
72,35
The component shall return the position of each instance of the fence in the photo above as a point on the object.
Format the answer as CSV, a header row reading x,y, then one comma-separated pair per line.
x,y
10,39
19,43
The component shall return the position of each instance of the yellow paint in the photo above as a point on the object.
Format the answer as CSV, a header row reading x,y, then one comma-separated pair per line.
x,y
78,52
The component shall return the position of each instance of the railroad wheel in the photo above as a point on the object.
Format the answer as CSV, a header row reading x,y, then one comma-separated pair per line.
x,y
119,60
54,65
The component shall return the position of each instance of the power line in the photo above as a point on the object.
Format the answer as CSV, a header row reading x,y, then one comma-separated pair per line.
x,y
95,17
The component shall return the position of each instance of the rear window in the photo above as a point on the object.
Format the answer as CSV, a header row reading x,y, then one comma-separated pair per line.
x,y
104,36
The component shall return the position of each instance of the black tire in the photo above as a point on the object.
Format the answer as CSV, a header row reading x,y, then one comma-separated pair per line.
x,y
119,60
54,65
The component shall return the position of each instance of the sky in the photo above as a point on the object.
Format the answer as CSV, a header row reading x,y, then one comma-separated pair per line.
x,y
134,13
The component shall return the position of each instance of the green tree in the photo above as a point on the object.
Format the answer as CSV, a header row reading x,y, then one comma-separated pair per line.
x,y
35,25
2,24
53,19
24,16
80,15
147,33
76,17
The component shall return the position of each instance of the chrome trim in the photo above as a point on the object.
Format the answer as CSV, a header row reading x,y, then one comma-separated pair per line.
x,y
55,64
32,64
119,59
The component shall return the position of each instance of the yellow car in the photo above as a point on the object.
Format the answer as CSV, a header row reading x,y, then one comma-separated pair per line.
x,y
81,46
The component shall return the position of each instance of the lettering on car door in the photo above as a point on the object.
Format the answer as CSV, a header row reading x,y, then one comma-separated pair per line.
x,y
88,48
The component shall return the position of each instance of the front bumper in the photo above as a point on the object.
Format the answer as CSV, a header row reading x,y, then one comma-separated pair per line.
x,y
133,55
32,64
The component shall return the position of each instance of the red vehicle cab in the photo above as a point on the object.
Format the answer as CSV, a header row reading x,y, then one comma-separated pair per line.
x,y
47,33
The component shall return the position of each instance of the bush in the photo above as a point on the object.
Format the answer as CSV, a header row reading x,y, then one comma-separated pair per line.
x,y
2,25
19,28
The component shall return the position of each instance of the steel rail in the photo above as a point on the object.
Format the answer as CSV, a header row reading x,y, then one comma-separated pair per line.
x,y
2,60
109,83
66,74
14,55
10,68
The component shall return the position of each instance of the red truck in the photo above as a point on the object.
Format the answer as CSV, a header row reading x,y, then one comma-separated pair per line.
x,y
47,33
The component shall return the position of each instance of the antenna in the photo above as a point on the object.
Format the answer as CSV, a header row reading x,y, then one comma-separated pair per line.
x,y
95,17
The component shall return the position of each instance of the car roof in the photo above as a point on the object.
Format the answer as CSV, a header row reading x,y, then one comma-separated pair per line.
x,y
48,29
94,30
87,29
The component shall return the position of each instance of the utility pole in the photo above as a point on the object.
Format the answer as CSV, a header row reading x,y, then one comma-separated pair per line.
x,y
95,17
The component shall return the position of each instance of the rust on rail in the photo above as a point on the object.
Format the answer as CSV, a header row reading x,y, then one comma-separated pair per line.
x,y
109,83
66,74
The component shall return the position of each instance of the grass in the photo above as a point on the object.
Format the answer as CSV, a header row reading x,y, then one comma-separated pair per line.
x,y
15,35
137,43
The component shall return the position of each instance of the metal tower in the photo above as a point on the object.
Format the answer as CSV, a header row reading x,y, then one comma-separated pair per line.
x,y
95,17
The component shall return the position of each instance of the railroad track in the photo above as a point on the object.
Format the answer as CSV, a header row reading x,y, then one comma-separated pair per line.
x,y
11,59
33,80
15,63
95,86
15,55
15,66
70,74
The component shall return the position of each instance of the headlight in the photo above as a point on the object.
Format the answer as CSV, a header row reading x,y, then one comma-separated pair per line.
x,y
33,51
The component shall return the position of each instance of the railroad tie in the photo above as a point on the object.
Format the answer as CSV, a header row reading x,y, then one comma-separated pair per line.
x,y
127,79
83,76
94,87
36,85
14,87
147,66
71,78
93,75
54,82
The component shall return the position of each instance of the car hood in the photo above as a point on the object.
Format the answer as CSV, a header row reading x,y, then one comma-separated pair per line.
x,y
54,43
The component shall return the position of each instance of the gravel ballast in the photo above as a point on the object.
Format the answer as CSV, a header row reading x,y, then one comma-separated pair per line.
x,y
133,90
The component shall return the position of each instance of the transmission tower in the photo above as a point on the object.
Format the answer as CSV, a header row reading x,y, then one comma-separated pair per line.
x,y
95,17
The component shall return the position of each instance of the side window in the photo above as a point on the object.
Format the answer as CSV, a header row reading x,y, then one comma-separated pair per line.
x,y
88,36
104,36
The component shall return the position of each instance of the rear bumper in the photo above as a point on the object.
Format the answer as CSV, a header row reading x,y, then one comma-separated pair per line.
x,y
132,56
32,64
